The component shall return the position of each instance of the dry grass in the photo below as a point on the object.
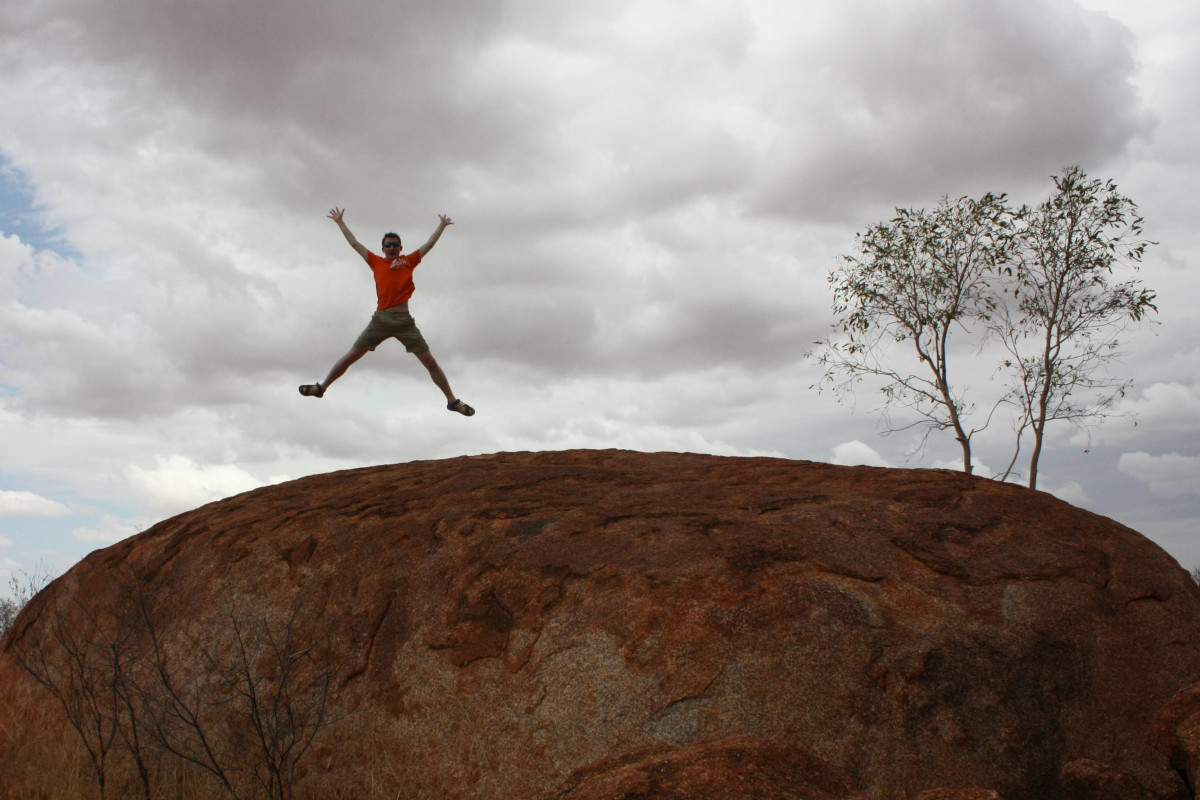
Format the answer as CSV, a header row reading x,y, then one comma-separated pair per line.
x,y
50,763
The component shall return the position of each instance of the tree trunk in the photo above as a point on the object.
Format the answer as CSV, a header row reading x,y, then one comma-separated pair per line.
x,y
1037,453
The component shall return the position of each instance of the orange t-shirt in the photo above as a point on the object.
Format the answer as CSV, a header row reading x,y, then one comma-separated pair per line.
x,y
393,285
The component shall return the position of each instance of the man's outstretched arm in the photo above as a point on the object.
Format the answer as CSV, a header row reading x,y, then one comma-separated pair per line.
x,y
336,215
443,223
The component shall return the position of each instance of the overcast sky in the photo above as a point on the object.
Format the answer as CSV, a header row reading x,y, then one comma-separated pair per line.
x,y
648,197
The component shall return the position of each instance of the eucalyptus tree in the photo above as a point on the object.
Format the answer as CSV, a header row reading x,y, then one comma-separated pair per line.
x,y
1062,328
920,282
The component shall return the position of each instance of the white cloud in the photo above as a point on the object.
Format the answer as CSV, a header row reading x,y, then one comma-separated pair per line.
x,y
855,453
978,468
1164,409
1071,492
1170,475
15,260
5,541
179,484
1167,406
28,504
109,530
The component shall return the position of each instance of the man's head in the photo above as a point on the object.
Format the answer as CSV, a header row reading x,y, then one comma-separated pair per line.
x,y
391,244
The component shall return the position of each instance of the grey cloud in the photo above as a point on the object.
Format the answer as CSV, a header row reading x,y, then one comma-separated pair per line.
x,y
564,333
899,103
312,93
379,110
955,98
257,57
756,336
550,329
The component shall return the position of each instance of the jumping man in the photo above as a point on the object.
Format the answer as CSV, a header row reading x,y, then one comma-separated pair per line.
x,y
394,285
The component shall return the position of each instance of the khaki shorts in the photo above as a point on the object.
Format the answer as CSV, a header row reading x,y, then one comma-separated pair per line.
x,y
391,322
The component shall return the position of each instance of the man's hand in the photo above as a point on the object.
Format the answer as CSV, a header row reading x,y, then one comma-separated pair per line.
x,y
336,214
443,223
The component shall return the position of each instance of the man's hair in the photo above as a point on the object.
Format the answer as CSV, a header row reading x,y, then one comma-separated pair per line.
x,y
389,235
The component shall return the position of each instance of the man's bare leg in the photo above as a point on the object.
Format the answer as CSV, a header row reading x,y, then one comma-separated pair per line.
x,y
435,372
343,364
439,378
337,371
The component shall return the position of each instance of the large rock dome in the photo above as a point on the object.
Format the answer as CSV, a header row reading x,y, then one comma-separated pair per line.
x,y
591,624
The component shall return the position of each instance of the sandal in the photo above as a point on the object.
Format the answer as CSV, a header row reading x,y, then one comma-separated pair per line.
x,y
312,390
460,407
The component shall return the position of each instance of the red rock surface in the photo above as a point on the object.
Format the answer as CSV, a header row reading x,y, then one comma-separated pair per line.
x,y
615,624
1176,732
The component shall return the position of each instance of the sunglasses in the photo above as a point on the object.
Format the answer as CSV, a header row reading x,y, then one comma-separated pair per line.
x,y
391,244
